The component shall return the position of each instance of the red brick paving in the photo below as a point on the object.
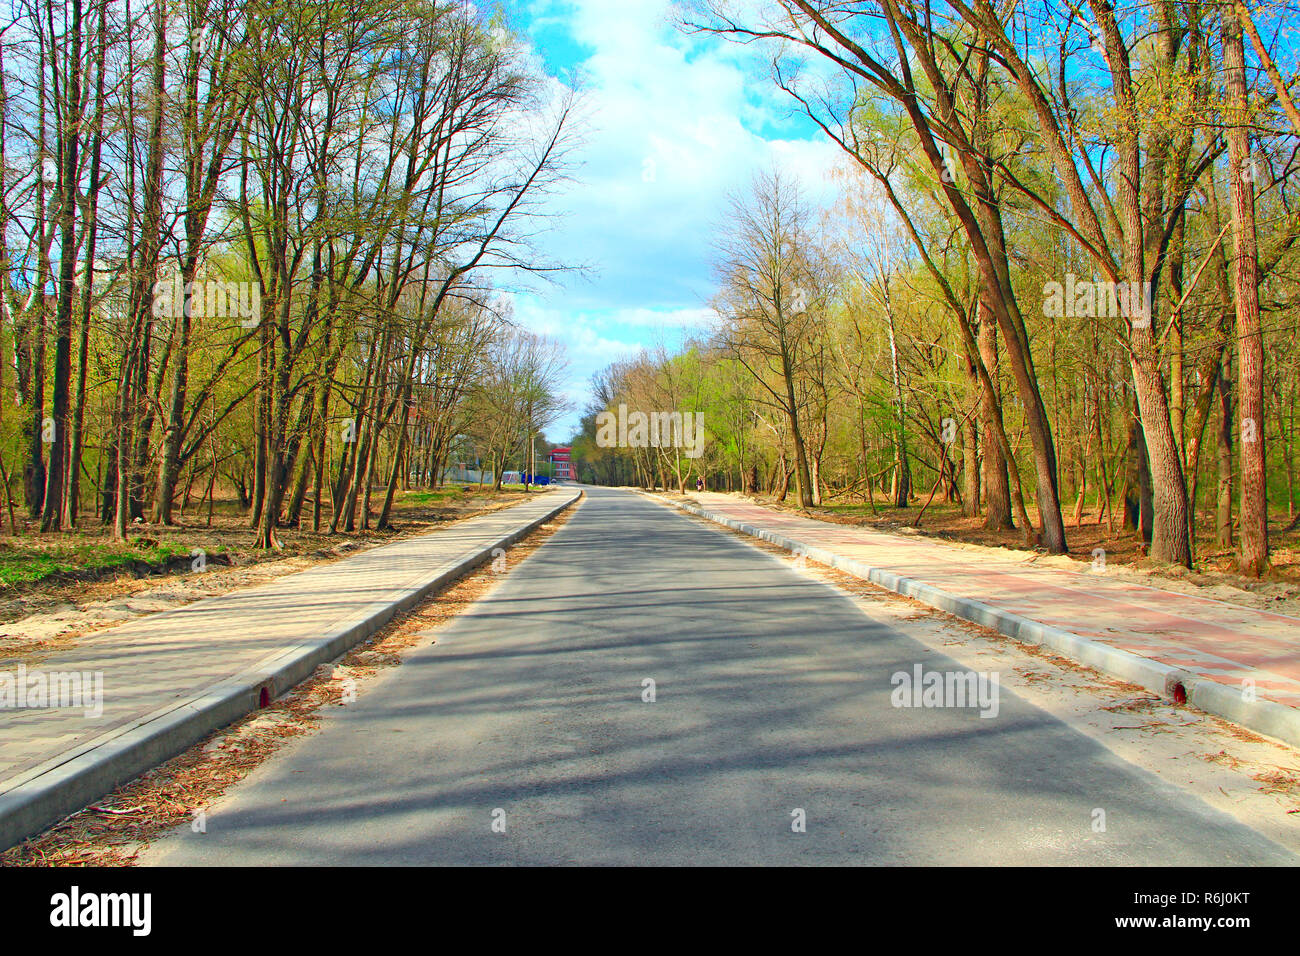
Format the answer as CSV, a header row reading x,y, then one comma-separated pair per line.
x,y
1216,640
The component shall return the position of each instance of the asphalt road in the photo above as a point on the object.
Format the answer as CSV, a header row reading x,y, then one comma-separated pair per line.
x,y
773,695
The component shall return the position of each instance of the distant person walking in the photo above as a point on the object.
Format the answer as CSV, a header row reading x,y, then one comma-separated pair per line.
x,y
699,483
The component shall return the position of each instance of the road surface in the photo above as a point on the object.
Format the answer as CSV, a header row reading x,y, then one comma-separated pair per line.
x,y
772,707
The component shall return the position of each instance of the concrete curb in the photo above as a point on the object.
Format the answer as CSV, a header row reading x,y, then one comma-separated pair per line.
x,y
1262,716
40,797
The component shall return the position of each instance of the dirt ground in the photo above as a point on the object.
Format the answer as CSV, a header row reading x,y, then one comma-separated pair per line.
x,y
40,617
1214,576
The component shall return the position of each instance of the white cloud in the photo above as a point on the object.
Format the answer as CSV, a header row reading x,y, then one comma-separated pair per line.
x,y
597,339
673,125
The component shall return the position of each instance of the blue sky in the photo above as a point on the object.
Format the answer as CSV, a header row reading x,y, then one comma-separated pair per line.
x,y
671,124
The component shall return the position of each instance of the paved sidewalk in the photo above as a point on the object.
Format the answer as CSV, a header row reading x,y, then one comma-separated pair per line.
x,y
1202,640
212,659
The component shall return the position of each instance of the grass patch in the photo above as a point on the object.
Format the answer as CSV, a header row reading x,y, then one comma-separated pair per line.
x,y
441,496
30,564
453,494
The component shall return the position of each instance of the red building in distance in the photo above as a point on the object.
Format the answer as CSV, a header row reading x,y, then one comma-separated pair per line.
x,y
562,460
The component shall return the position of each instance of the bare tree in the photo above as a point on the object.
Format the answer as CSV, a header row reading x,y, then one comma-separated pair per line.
x,y
771,292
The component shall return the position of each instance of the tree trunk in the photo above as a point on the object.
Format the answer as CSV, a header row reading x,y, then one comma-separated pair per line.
x,y
997,486
1252,555
1138,500
1223,507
